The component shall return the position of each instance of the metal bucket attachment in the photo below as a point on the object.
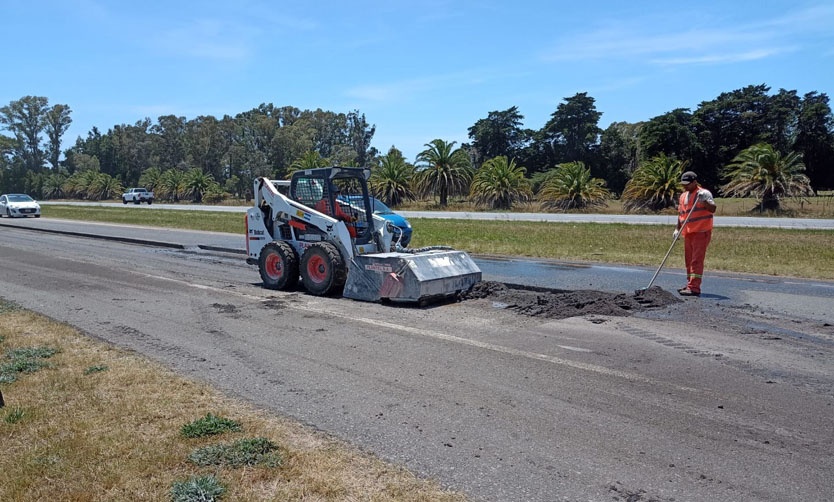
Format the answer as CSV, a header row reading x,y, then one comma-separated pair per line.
x,y
410,277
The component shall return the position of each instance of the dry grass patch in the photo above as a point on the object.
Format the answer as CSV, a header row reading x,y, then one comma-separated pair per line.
x,y
99,423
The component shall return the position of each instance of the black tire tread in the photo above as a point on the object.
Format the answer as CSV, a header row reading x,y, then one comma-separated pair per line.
x,y
337,265
290,258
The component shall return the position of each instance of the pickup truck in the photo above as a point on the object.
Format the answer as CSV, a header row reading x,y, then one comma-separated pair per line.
x,y
137,195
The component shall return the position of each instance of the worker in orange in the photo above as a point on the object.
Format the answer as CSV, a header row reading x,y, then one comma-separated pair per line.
x,y
323,206
697,232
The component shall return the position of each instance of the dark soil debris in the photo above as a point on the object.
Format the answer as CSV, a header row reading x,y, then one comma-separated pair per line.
x,y
560,304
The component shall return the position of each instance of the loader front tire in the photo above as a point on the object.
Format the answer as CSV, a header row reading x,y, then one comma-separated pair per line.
x,y
278,265
323,269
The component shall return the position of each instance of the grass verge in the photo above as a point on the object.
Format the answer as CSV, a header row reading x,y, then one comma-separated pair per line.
x,y
782,252
116,433
820,206
151,217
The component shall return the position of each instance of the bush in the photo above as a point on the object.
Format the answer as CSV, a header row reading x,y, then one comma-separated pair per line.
x,y
208,426
245,452
24,360
202,489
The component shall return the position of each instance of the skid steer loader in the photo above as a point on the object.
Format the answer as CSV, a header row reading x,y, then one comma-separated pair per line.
x,y
325,233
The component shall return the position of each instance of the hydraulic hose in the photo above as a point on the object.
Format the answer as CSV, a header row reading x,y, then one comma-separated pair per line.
x,y
427,248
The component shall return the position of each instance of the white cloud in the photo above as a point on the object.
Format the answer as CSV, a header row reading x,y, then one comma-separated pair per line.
x,y
622,83
660,41
206,39
390,92
722,58
619,43
405,90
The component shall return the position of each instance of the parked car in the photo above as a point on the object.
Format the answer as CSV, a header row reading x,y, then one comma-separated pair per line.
x,y
16,205
397,220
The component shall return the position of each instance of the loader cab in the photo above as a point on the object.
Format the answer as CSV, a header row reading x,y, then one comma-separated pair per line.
x,y
328,189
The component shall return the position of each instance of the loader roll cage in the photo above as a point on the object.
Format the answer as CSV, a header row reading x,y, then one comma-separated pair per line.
x,y
338,192
329,190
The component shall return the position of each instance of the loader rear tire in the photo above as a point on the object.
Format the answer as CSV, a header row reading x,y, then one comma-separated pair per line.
x,y
323,269
278,265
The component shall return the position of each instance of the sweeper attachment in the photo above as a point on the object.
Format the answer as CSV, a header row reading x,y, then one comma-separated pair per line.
x,y
324,232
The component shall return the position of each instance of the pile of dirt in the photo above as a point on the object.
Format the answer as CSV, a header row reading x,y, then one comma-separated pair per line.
x,y
560,304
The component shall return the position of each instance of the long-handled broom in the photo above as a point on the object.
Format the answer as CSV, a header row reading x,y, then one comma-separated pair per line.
x,y
640,292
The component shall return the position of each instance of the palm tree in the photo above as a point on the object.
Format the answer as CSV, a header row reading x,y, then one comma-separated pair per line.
x,y
391,180
499,183
151,178
654,184
103,187
53,186
80,184
172,185
197,183
310,160
214,193
766,174
572,187
444,171
70,187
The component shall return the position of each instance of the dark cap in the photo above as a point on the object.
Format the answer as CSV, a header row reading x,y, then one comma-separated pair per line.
x,y
688,177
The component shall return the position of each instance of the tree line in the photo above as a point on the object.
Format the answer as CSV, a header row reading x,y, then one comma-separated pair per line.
x,y
569,163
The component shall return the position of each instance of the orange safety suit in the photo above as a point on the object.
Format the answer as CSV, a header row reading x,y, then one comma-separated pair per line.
x,y
697,234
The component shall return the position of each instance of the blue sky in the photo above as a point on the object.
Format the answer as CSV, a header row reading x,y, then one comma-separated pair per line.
x,y
417,70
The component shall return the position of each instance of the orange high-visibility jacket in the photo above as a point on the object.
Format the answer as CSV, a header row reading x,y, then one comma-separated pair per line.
x,y
701,219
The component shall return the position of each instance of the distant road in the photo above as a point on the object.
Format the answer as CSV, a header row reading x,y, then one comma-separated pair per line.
x,y
631,219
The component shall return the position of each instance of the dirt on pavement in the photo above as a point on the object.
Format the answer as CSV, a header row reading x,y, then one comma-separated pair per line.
x,y
560,304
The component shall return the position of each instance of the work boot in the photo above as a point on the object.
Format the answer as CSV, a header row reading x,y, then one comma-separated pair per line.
x,y
688,292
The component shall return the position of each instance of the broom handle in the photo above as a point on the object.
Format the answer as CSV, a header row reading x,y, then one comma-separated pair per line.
x,y
672,246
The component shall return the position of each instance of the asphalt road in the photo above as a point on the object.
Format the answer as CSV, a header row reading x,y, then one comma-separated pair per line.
x,y
711,399
781,296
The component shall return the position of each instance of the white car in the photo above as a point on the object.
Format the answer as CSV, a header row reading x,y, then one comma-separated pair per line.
x,y
17,205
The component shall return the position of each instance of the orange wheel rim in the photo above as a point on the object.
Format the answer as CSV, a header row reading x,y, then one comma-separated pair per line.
x,y
274,266
317,269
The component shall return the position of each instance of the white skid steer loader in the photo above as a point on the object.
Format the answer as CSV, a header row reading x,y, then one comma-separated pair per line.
x,y
324,231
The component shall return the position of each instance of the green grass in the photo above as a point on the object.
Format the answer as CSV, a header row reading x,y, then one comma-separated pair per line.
x,y
782,252
98,368
14,415
23,360
209,425
819,206
197,489
240,453
129,215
